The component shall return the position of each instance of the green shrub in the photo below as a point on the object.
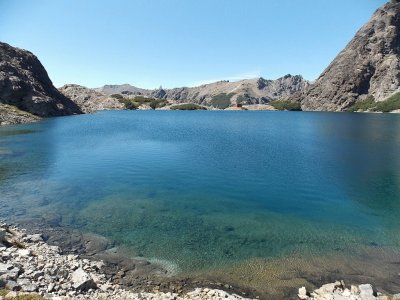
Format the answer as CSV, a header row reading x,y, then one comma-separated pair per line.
x,y
222,100
142,99
188,106
158,103
240,99
391,103
117,96
367,104
286,105
139,100
129,103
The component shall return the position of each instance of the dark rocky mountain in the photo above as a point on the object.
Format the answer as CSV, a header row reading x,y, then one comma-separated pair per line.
x,y
24,84
368,66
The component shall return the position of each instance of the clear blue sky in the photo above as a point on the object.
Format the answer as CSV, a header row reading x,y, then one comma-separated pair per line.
x,y
172,43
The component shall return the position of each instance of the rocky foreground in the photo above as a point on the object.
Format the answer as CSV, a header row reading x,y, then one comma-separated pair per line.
x,y
339,291
33,269
30,267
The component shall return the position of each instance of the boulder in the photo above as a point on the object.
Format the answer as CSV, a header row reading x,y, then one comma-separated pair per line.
x,y
26,285
82,281
34,238
5,268
366,292
303,293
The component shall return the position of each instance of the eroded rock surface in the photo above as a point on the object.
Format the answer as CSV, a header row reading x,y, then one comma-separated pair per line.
x,y
368,66
24,84
89,100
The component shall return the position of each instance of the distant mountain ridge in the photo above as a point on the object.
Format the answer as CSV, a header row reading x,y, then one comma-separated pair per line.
x,y
248,91
110,89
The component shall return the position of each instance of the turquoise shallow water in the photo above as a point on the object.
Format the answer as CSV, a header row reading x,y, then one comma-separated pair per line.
x,y
205,189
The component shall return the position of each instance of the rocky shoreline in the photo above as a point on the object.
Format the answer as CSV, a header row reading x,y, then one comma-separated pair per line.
x,y
31,267
35,269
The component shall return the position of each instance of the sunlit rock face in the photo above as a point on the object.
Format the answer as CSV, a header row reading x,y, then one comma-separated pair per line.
x,y
368,66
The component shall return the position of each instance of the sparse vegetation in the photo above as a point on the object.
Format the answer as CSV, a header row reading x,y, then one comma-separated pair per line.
x,y
134,103
117,96
364,105
188,106
222,100
240,99
369,104
391,103
4,292
286,105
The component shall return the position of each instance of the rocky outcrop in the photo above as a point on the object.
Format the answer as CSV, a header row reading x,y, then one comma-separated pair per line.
x,y
368,66
11,115
24,84
90,100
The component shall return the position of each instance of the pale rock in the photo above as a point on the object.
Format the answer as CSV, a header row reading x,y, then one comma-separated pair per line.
x,y
5,268
35,238
82,280
11,295
303,293
366,291
26,285
396,297
24,252
50,287
354,290
12,285
346,293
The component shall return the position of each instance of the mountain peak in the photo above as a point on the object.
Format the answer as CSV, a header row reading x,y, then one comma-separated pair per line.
x,y
368,66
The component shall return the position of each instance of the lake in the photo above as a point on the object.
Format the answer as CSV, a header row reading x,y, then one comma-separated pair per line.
x,y
228,194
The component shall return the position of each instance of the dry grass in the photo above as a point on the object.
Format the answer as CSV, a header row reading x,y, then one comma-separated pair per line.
x,y
4,292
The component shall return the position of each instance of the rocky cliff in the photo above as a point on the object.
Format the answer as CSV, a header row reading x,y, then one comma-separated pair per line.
x,y
24,84
249,91
89,100
368,66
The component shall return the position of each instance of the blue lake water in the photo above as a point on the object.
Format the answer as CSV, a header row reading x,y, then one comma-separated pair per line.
x,y
206,189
